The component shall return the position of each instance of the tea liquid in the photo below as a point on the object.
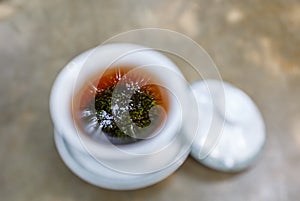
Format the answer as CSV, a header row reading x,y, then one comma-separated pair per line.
x,y
123,104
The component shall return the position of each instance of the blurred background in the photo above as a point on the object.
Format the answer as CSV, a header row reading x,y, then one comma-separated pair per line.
x,y
255,44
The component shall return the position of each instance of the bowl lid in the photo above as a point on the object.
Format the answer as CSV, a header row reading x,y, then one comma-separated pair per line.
x,y
234,134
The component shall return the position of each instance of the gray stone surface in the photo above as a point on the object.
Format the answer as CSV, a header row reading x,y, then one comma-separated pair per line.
x,y
256,45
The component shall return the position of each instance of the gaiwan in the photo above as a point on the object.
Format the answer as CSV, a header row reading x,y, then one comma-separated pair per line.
x,y
121,114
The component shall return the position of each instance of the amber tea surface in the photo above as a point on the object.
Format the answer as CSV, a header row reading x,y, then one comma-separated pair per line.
x,y
123,104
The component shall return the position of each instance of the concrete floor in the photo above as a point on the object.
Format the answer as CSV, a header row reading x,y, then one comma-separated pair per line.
x,y
255,44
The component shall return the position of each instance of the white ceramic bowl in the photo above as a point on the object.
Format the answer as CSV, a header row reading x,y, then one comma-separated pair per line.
x,y
129,166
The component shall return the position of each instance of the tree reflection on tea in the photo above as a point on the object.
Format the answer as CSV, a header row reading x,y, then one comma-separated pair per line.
x,y
124,104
